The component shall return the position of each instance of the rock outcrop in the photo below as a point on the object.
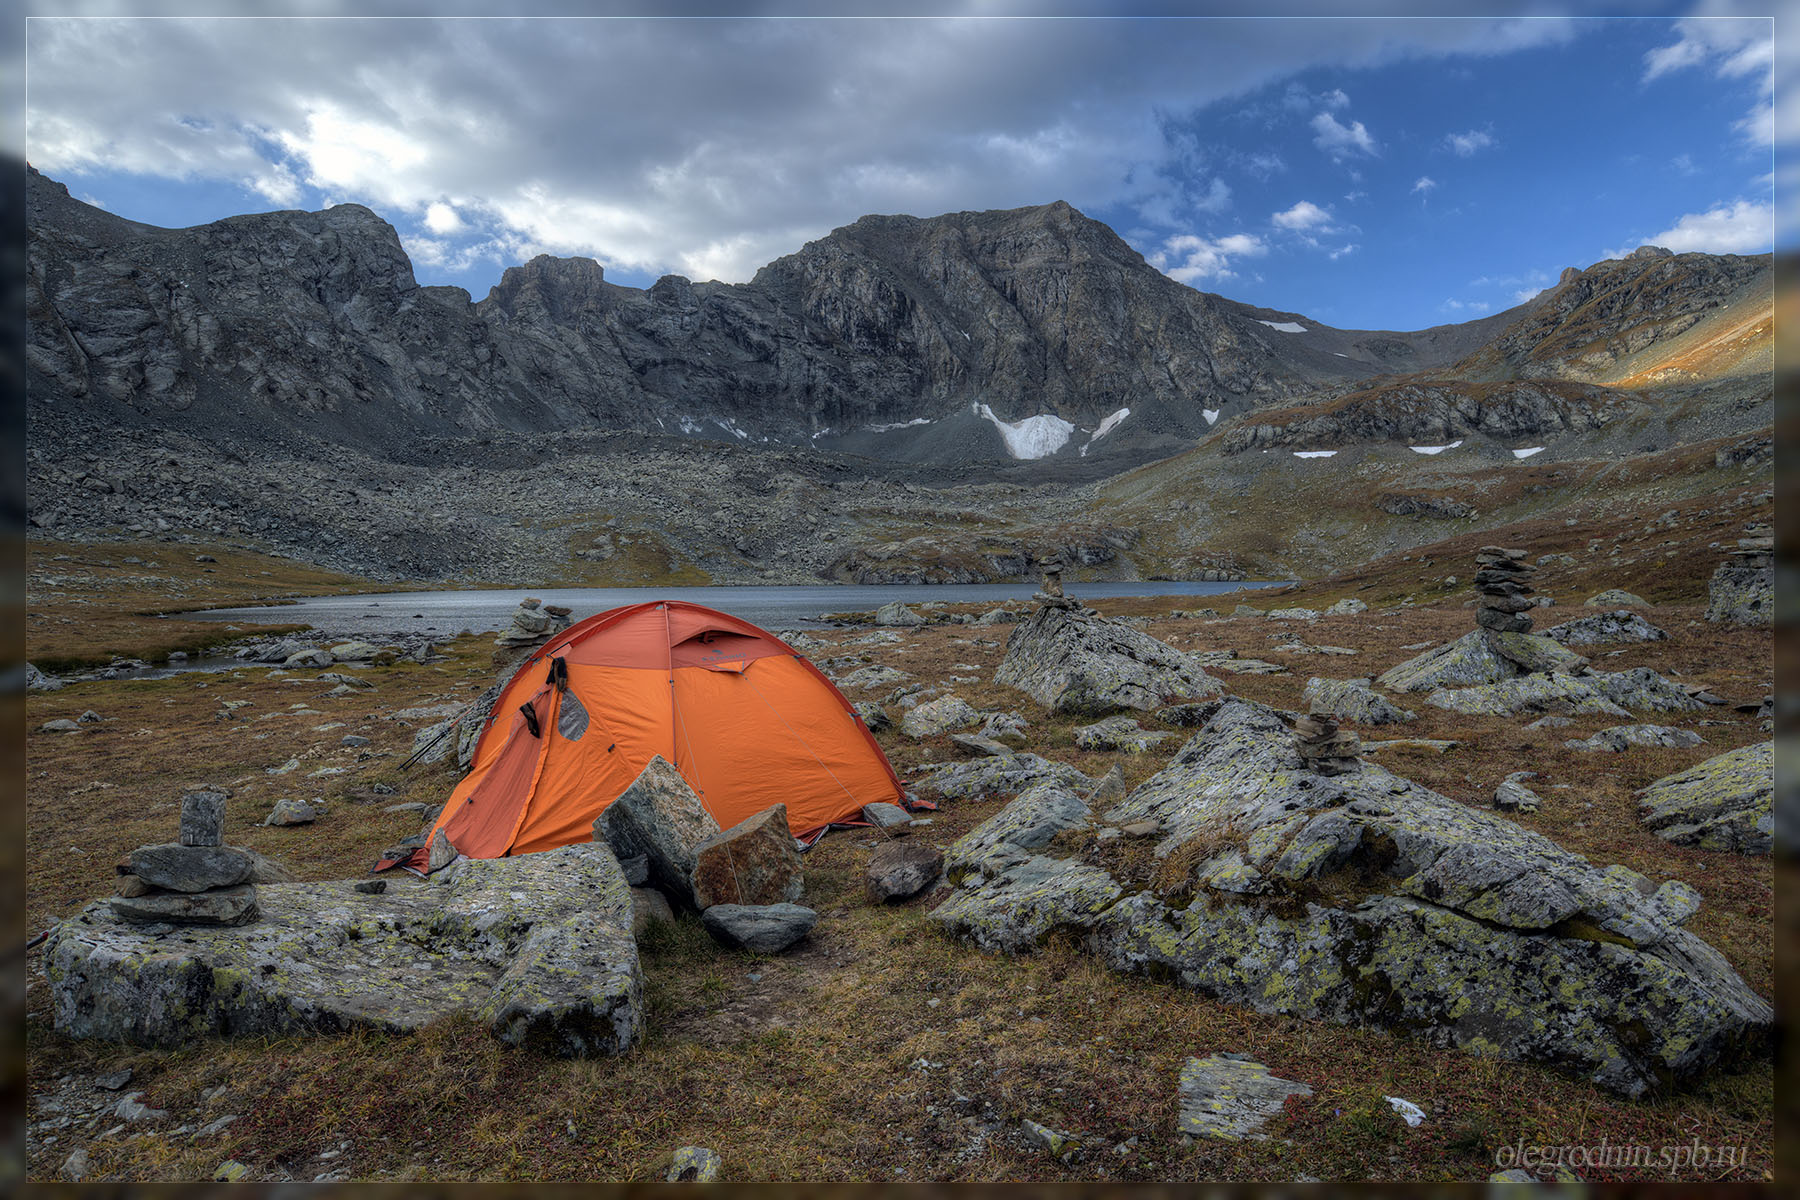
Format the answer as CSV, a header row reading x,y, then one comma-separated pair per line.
x,y
1364,898
538,947
1355,701
1072,660
1724,803
1481,656
660,818
1742,589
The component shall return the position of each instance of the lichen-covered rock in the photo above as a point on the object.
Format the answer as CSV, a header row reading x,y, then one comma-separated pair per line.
x,y
220,906
1367,899
939,716
1615,598
288,811
1527,694
1349,606
1740,594
1293,614
975,744
1355,701
753,862
661,818
1118,733
1513,796
1028,823
972,779
1231,1096
1481,656
1620,625
1724,803
538,945
897,614
1643,690
693,1164
1074,661
190,868
763,928
1619,738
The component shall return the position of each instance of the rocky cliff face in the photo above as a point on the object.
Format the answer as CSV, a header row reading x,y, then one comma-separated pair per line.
x,y
311,326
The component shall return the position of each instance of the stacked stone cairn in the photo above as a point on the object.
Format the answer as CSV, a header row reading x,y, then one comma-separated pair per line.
x,y
1742,590
1050,588
533,624
1502,584
196,881
1324,748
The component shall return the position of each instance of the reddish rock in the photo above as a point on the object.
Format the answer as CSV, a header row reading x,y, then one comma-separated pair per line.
x,y
755,862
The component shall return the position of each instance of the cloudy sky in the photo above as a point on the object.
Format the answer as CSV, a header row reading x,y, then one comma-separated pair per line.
x,y
1372,173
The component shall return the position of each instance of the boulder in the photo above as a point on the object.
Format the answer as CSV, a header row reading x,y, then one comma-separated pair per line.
x,y
1074,661
291,812
873,716
975,744
661,818
537,946
178,868
693,1164
1742,593
898,615
1349,606
971,780
1513,796
1355,701
764,929
873,676
1725,803
1231,1097
354,652
1111,788
753,862
1527,694
901,869
1615,598
1365,899
1620,625
309,657
1620,738
60,725
883,815
938,716
219,906
1293,614
1481,656
1119,733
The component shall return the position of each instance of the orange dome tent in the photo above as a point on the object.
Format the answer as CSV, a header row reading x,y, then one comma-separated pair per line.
x,y
746,720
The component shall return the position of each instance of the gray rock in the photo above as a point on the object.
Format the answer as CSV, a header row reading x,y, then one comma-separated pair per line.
x,y
649,906
1478,657
114,1081
1110,789
354,741
897,614
970,780
1553,721
883,815
975,744
60,725
440,852
131,1107
309,657
874,676
693,1164
1643,690
1074,661
939,716
1367,899
537,946
901,869
355,651
1029,823
1615,598
1053,1142
1527,694
1725,803
874,716
1002,726
1118,733
219,906
661,818
1513,796
75,1167
202,819
1347,607
37,681
637,870
371,887
764,929
1355,701
178,868
1231,1097
1741,593
1293,614
89,717
1620,625
288,811
1620,738
998,616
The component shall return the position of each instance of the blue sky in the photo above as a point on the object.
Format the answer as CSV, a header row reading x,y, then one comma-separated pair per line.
x,y
1366,173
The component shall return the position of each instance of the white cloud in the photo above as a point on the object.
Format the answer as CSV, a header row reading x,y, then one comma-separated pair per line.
x,y
1265,165
1187,257
1303,216
1462,306
1464,145
1341,141
1335,98
442,219
1353,197
1424,183
1346,248
1527,293
1737,44
1742,227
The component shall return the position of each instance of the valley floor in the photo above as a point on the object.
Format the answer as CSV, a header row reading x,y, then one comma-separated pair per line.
x,y
878,1049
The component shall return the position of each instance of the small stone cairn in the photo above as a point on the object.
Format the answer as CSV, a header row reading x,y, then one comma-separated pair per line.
x,y
533,624
1050,588
1323,747
197,880
1502,584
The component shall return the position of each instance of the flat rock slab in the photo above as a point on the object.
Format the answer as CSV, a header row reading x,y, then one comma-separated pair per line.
x,y
191,868
1365,899
765,929
1725,803
1231,1097
1074,661
1008,776
1355,701
1620,738
939,716
1118,733
539,947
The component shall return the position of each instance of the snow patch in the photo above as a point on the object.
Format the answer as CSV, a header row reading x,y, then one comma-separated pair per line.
x,y
1109,423
1033,437
1528,452
689,425
899,425
1314,453
1435,449
730,426
1284,326
1211,415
